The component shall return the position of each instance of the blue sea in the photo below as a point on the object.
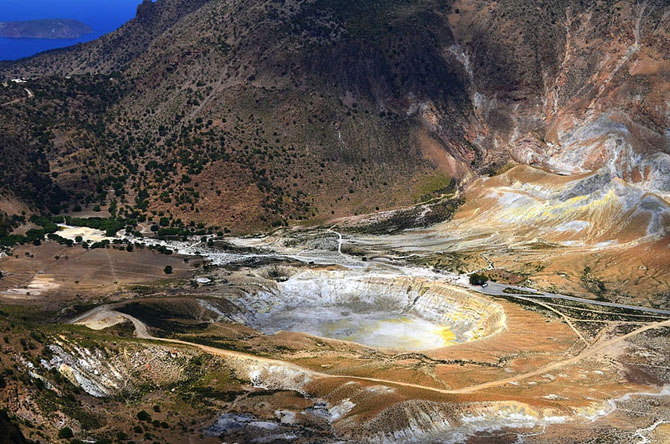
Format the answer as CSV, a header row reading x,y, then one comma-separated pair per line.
x,y
102,16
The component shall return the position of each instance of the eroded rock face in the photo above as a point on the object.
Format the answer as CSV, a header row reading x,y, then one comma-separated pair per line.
x,y
526,205
421,421
103,372
379,310
586,96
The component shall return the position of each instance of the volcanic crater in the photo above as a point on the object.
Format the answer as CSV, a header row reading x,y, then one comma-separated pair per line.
x,y
376,310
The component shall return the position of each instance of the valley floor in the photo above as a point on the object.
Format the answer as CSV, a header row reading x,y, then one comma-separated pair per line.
x,y
529,365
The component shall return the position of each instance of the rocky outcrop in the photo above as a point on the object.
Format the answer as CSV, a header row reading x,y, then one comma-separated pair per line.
x,y
593,208
102,372
425,421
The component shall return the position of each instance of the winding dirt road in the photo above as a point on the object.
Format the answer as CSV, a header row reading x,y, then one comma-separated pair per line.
x,y
30,96
99,314
340,241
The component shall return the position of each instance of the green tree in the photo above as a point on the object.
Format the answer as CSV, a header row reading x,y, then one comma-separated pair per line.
x,y
168,269
143,416
478,279
65,433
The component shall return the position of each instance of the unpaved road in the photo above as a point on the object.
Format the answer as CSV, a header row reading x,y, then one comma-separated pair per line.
x,y
587,352
496,289
30,96
340,241
142,332
274,249
105,316
563,316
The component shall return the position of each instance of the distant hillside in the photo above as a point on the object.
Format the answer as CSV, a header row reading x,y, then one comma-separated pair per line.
x,y
252,113
44,29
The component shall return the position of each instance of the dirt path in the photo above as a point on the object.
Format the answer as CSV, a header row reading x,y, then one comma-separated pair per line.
x,y
498,289
490,265
563,316
111,267
13,101
142,332
590,351
542,370
340,241
30,96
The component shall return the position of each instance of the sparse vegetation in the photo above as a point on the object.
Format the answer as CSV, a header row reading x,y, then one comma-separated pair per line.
x,y
414,217
593,284
201,118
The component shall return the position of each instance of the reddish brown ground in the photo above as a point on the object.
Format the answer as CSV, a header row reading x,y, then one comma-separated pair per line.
x,y
80,274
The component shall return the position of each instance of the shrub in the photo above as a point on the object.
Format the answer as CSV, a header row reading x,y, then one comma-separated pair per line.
x,y
109,225
167,269
65,433
143,416
478,279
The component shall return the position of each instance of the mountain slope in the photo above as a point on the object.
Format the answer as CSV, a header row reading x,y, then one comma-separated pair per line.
x,y
9,433
111,52
252,113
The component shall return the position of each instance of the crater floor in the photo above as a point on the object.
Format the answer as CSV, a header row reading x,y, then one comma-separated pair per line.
x,y
382,311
